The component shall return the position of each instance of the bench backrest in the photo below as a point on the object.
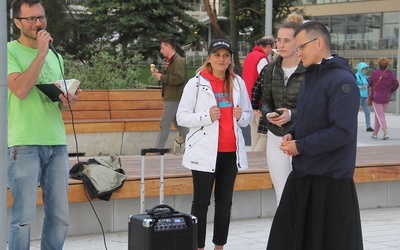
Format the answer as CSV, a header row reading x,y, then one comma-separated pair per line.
x,y
117,104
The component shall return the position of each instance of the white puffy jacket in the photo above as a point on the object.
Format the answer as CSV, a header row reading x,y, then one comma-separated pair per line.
x,y
202,140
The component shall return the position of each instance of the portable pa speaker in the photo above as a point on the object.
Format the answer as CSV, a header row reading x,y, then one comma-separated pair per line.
x,y
162,228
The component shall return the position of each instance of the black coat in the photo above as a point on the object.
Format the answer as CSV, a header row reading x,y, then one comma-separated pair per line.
x,y
326,127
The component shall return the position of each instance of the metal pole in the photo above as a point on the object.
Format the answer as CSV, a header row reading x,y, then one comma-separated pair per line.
x,y
11,25
268,17
398,73
3,125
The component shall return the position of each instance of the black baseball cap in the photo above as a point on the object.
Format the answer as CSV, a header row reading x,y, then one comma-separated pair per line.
x,y
219,44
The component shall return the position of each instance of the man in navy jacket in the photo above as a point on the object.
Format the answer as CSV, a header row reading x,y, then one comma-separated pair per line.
x,y
319,206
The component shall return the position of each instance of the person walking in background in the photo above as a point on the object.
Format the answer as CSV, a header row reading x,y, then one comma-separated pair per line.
x,y
281,85
362,81
382,83
37,147
252,66
214,106
173,80
319,206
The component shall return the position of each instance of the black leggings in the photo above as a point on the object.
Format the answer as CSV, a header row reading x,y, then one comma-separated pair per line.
x,y
203,182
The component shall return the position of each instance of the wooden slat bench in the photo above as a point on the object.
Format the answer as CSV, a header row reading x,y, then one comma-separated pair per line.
x,y
115,111
178,181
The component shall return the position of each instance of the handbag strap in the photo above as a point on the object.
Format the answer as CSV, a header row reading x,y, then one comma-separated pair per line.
x,y
376,84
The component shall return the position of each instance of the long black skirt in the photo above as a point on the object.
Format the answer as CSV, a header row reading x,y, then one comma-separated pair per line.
x,y
317,213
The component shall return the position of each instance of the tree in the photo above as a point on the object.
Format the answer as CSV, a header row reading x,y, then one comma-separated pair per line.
x,y
212,14
234,35
61,24
138,26
250,16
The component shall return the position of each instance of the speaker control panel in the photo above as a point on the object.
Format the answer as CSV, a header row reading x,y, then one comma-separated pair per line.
x,y
168,224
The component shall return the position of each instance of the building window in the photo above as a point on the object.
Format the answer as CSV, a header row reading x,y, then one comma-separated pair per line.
x,y
308,2
338,32
390,30
355,31
372,31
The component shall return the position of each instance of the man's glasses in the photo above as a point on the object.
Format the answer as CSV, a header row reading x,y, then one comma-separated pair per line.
x,y
33,19
301,46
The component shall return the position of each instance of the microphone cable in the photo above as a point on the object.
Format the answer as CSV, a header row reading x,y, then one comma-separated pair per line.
x,y
76,139
51,47
98,219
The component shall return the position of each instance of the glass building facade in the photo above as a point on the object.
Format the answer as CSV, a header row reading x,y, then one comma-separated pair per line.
x,y
357,24
361,30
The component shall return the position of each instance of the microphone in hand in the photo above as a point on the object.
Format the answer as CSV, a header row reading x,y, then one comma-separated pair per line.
x,y
51,47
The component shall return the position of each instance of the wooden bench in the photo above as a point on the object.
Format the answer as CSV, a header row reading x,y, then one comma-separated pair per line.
x,y
115,111
178,180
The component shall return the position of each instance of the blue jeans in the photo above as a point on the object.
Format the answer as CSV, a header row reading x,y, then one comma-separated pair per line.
x,y
367,112
49,166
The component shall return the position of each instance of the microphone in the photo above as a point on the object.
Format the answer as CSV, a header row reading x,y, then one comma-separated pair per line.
x,y
50,44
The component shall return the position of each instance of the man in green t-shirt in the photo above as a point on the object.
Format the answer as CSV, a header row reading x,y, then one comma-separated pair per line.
x,y
37,150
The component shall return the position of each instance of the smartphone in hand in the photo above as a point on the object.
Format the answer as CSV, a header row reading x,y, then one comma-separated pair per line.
x,y
273,115
278,112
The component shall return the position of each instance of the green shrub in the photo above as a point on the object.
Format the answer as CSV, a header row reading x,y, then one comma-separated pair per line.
x,y
152,81
109,71
105,71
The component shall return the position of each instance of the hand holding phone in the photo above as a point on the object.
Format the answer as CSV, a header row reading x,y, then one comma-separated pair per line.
x,y
273,115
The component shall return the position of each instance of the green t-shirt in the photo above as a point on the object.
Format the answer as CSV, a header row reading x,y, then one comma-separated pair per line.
x,y
35,120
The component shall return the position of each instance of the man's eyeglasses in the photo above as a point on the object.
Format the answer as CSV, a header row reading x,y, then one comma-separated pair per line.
x,y
33,19
301,46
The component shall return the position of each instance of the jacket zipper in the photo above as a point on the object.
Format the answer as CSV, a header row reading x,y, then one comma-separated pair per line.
x,y
195,132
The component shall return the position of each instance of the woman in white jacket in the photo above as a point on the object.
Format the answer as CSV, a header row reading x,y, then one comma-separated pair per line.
x,y
214,106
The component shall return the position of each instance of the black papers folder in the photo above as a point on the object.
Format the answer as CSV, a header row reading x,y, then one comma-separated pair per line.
x,y
53,92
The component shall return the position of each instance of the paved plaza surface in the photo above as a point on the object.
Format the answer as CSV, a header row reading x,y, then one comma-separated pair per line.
x,y
364,138
380,226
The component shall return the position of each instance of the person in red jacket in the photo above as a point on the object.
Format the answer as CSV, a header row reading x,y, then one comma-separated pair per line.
x,y
252,66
